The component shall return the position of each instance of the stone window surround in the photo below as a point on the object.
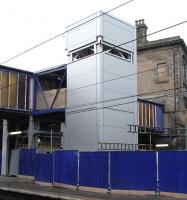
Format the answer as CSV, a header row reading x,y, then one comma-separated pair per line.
x,y
167,64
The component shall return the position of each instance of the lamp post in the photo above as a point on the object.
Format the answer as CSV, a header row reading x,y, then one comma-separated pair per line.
x,y
51,125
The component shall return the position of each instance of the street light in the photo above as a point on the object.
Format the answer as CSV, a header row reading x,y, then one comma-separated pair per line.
x,y
15,133
51,125
162,145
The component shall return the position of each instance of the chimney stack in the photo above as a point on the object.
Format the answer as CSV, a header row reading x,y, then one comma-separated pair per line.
x,y
141,32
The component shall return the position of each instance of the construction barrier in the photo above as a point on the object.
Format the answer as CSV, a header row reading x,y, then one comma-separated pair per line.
x,y
133,170
27,162
44,168
66,167
94,169
163,171
173,171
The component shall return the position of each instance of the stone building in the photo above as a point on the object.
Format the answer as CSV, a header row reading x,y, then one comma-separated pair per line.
x,y
162,74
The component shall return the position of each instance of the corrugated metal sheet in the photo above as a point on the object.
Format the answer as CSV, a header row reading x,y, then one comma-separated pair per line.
x,y
44,168
94,169
133,170
27,162
173,171
66,167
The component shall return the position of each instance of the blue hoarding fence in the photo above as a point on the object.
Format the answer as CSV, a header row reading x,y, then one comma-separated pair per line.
x,y
66,167
163,171
44,168
94,170
27,162
133,170
173,171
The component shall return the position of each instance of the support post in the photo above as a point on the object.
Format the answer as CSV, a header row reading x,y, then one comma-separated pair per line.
x,y
109,172
4,165
78,170
150,142
31,132
51,140
157,174
62,130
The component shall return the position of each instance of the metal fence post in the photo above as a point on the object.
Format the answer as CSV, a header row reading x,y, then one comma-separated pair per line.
x,y
109,172
78,169
53,154
157,174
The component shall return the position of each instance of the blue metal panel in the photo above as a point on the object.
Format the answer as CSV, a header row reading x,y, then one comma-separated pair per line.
x,y
94,169
133,170
173,171
66,167
160,116
27,162
44,168
47,111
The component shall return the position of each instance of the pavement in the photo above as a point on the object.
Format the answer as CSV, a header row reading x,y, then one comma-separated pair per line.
x,y
24,186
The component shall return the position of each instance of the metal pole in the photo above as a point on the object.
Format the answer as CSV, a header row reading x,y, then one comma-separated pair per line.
x,y
157,174
150,142
78,167
109,172
51,140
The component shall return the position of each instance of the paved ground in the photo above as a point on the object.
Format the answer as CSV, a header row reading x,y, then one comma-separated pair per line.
x,y
14,189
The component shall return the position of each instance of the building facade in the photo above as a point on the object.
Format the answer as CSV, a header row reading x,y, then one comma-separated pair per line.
x,y
162,75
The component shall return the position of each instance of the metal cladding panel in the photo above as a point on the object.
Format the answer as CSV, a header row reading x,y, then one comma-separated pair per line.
x,y
66,167
173,171
79,35
118,32
44,168
160,116
94,169
27,158
133,170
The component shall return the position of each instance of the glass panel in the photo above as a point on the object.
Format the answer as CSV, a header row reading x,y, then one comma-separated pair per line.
x,y
21,92
4,89
83,53
119,53
13,90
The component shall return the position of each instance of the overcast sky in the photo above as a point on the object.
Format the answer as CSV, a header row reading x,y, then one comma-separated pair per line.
x,y
25,23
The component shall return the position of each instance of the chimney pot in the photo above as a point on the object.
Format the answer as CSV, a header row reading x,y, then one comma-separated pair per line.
x,y
141,32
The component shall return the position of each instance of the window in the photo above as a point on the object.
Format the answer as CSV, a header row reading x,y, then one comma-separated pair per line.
x,y
119,53
13,80
83,53
13,91
162,72
184,62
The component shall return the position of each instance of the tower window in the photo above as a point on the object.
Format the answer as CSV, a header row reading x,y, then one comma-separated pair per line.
x,y
119,53
83,53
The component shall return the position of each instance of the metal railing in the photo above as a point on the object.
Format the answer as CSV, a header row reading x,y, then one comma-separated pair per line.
x,y
124,147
